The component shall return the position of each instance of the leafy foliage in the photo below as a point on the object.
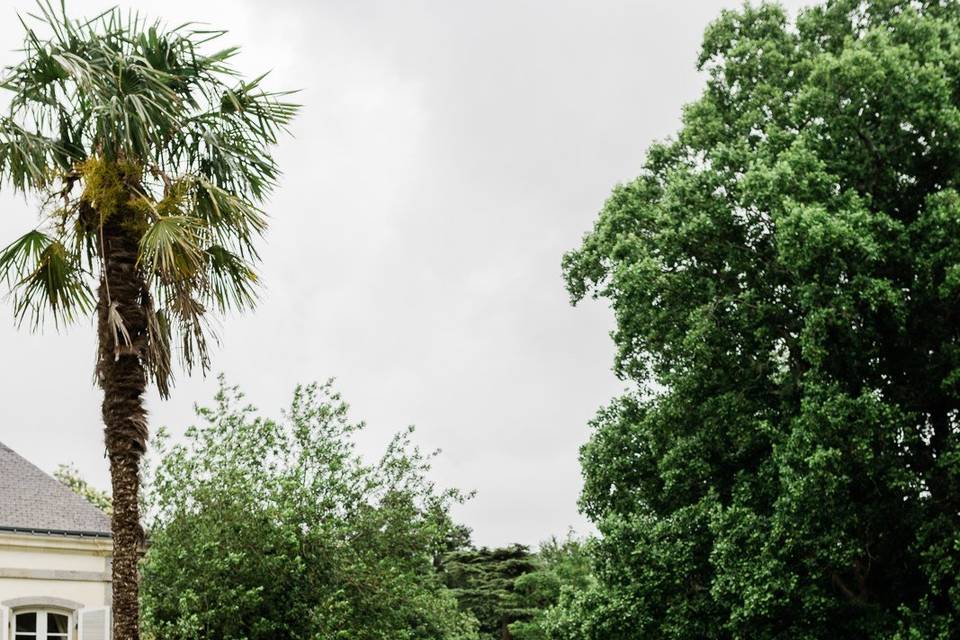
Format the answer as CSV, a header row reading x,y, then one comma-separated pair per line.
x,y
784,276
117,120
512,591
564,566
276,529
484,582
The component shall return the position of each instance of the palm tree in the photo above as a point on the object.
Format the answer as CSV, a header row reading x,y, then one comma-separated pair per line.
x,y
151,157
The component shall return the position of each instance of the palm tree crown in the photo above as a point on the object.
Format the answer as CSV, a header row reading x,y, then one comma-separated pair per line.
x,y
117,119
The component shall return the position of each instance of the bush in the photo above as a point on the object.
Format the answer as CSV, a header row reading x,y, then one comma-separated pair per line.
x,y
265,529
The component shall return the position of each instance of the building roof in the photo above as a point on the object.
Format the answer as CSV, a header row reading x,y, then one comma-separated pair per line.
x,y
34,502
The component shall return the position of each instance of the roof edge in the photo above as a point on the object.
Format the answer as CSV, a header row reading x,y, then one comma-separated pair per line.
x,y
56,533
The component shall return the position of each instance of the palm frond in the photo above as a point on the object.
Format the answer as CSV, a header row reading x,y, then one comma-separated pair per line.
x,y
232,220
121,336
170,251
25,157
158,354
232,281
45,278
188,316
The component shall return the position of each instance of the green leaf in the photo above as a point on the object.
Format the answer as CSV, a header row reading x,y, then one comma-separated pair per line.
x,y
45,278
169,249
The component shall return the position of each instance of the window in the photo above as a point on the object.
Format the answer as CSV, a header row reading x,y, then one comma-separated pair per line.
x,y
58,626
41,625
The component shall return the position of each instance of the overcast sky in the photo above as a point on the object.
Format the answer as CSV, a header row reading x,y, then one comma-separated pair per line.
x,y
448,153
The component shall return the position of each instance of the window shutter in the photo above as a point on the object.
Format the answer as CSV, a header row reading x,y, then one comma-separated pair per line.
x,y
4,623
94,624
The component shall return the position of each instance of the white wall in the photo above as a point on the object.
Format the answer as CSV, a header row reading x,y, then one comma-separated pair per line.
x,y
58,567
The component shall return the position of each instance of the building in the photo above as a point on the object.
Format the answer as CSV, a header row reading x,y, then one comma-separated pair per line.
x,y
55,554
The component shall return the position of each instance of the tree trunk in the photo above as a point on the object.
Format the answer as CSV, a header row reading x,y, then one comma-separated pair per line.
x,y
122,337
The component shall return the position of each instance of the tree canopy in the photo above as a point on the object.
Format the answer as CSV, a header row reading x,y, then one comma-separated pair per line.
x,y
484,582
785,277
564,566
274,529
511,591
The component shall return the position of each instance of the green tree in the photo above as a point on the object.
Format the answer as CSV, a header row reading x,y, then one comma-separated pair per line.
x,y
70,476
484,582
563,566
785,276
150,156
277,530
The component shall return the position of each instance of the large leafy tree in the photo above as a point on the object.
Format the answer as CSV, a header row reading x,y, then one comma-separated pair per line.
x,y
276,529
785,275
151,158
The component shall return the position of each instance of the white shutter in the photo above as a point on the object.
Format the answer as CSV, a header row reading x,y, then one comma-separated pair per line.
x,y
4,623
94,624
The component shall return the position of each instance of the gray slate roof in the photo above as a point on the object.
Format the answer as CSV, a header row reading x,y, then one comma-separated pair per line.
x,y
31,500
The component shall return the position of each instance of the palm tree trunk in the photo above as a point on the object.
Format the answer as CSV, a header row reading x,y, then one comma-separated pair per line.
x,y
122,335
